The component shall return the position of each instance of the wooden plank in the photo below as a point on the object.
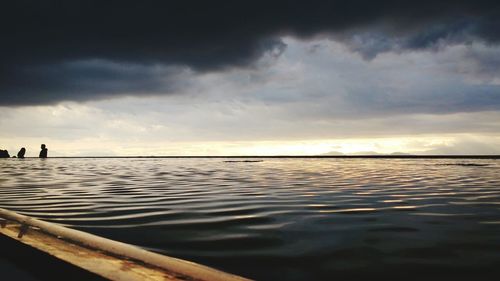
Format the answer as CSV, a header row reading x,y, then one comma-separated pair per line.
x,y
107,258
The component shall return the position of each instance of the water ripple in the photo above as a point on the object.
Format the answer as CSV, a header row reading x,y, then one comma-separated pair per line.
x,y
296,219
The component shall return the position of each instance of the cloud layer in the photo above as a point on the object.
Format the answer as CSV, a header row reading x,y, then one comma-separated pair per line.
x,y
54,51
316,97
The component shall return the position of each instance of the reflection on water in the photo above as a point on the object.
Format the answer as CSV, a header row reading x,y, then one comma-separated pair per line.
x,y
279,219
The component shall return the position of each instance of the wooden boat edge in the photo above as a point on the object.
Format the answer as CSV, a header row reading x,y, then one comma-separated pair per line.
x,y
110,259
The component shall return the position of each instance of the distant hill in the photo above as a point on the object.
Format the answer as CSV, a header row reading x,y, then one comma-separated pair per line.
x,y
333,153
338,153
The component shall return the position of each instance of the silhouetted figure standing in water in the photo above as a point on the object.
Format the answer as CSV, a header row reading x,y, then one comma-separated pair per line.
x,y
43,153
21,153
4,154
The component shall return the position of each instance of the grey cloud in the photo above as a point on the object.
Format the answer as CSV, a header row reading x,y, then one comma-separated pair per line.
x,y
465,146
86,80
372,41
203,36
483,63
438,100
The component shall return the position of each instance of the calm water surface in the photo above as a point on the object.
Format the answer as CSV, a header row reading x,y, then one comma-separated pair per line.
x,y
280,219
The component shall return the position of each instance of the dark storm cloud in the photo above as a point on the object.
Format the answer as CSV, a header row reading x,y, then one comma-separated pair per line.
x,y
85,80
44,43
369,42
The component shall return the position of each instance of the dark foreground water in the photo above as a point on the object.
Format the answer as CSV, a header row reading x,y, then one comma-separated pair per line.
x,y
280,219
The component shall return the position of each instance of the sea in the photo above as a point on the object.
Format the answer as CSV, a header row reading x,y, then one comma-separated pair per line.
x,y
279,218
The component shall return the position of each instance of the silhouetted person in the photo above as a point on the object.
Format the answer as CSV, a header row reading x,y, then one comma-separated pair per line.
x,y
43,153
4,154
21,153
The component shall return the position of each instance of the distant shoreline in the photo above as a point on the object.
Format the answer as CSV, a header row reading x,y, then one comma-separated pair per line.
x,y
298,156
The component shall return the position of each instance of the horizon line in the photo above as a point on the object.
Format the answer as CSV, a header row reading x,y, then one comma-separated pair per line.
x,y
430,156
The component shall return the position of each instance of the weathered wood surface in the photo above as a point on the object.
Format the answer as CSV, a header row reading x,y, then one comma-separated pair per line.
x,y
107,258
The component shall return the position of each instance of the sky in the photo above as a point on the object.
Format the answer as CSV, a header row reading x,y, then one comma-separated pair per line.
x,y
125,78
